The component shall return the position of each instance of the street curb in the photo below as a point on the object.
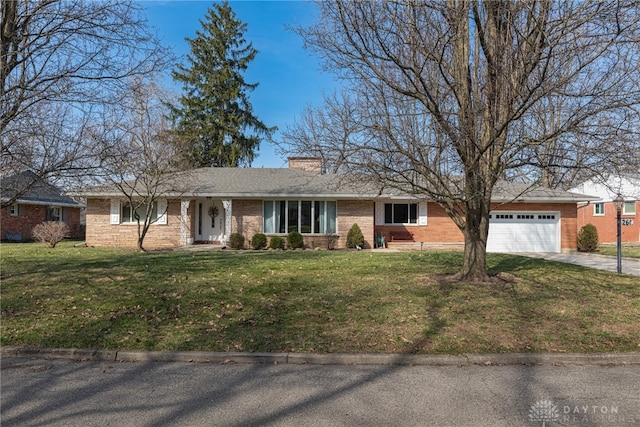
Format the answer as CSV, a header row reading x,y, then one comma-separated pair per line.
x,y
554,359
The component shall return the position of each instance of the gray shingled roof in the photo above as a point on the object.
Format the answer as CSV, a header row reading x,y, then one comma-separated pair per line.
x,y
509,191
251,183
40,193
285,182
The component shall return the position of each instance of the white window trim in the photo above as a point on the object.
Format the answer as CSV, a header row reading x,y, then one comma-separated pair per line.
x,y
117,217
601,204
423,214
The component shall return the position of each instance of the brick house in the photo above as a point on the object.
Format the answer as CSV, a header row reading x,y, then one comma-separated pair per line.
x,y
602,213
323,207
41,202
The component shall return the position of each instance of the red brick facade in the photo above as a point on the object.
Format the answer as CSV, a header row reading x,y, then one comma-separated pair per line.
x,y
607,223
28,216
247,220
441,229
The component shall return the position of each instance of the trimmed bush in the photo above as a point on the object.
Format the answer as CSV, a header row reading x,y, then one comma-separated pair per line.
x,y
51,232
276,243
355,237
295,240
236,241
259,241
588,238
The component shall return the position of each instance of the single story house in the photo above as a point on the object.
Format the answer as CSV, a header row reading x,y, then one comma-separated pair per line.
x,y
602,214
216,202
41,202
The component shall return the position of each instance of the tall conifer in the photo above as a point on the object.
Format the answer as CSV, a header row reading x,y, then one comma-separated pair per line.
x,y
214,121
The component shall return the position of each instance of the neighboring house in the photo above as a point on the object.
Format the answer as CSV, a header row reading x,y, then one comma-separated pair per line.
x,y
216,202
41,202
602,214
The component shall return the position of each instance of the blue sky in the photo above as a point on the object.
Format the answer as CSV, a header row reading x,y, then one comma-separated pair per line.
x,y
289,77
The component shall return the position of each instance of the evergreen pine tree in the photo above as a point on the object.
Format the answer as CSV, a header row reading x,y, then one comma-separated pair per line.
x,y
214,121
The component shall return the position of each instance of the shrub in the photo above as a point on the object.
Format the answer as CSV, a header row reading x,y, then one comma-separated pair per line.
x,y
236,241
355,237
276,243
259,241
51,232
295,240
588,238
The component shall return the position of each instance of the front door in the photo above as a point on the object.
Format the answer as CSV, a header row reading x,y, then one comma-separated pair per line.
x,y
209,220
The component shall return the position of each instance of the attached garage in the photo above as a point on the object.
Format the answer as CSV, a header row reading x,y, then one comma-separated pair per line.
x,y
515,231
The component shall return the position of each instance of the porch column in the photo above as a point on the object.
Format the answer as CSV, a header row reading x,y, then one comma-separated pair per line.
x,y
186,237
227,220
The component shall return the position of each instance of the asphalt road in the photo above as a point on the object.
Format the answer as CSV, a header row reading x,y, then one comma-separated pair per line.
x,y
39,392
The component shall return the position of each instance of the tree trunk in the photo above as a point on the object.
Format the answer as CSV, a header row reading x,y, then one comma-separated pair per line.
x,y
476,231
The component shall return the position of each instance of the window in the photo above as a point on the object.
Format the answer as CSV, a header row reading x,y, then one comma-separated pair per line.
x,y
629,208
503,216
401,213
54,213
13,210
130,215
526,216
122,213
598,209
303,216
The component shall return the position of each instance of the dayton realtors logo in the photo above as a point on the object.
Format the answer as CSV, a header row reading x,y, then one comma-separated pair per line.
x,y
545,411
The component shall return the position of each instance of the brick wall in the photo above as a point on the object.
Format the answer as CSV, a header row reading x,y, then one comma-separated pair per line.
x,y
441,229
355,212
309,164
247,220
101,233
607,224
32,215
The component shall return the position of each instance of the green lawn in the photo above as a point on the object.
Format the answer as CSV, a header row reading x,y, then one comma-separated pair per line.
x,y
308,301
628,250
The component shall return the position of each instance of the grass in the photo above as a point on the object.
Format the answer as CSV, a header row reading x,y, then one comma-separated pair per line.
x,y
308,301
628,250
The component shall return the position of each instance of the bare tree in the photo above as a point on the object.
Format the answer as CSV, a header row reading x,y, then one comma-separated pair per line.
x,y
325,133
455,95
61,62
138,158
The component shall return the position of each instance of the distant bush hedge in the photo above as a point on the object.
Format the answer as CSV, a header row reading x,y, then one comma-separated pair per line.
x,y
259,241
588,238
236,241
295,240
276,243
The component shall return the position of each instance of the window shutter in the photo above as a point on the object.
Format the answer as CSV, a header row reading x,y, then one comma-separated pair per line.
x,y
115,211
162,211
379,213
422,213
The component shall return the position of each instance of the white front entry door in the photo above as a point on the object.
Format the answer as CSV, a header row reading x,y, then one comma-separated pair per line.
x,y
511,231
209,220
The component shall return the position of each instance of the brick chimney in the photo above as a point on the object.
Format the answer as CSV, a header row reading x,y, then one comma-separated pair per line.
x,y
308,164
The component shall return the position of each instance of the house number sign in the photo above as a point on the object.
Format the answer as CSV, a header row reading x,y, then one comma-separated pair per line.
x,y
627,221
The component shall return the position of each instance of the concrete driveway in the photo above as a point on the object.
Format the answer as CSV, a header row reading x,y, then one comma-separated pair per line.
x,y
599,262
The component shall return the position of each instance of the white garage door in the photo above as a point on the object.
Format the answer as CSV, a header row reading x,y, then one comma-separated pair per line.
x,y
511,231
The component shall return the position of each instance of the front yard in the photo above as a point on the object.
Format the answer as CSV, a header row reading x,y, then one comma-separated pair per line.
x,y
308,301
